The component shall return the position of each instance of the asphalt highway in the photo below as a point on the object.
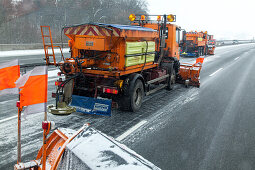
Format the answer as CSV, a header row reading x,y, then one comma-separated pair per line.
x,y
211,127
215,128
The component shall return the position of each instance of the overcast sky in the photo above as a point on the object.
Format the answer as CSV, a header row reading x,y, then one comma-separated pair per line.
x,y
226,19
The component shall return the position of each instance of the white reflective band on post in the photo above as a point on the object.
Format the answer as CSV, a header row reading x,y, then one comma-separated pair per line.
x,y
35,108
9,91
39,70
9,64
23,79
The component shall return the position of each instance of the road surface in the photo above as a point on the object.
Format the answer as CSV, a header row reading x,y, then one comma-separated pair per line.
x,y
211,127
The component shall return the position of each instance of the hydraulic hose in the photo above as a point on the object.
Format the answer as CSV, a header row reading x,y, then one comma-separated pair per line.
x,y
62,85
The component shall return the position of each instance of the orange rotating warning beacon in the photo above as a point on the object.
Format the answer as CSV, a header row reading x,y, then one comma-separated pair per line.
x,y
113,64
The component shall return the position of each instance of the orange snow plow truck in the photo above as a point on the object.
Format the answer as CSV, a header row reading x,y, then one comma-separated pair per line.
x,y
117,65
197,44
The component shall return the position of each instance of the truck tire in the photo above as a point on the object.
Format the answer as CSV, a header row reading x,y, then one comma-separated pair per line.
x,y
171,71
133,101
203,51
176,64
171,80
197,53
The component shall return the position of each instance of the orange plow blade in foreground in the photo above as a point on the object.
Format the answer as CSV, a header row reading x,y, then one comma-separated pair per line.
x,y
86,148
189,73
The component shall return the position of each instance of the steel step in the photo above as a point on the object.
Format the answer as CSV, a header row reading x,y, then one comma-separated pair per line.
x,y
156,89
157,79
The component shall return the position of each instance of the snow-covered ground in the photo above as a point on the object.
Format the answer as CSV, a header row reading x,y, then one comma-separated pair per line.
x,y
29,52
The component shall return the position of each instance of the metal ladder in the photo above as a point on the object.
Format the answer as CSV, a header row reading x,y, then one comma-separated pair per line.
x,y
47,46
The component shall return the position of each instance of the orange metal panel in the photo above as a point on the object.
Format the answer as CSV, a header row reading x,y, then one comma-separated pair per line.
x,y
91,44
91,30
54,142
201,43
129,70
171,45
138,34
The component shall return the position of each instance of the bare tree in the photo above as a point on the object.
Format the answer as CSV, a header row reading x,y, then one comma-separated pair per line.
x,y
20,22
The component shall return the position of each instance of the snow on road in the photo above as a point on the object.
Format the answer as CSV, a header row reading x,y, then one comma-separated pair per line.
x,y
29,52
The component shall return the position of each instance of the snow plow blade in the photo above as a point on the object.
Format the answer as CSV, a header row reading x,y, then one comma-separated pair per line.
x,y
86,148
189,73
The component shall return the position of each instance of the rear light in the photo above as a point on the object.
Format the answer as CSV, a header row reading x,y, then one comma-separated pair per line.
x,y
59,73
107,90
58,83
110,90
48,125
114,91
45,125
53,95
18,104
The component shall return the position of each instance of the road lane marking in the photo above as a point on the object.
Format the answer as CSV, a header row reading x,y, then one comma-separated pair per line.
x,y
215,72
9,118
129,131
53,79
3,102
236,58
13,117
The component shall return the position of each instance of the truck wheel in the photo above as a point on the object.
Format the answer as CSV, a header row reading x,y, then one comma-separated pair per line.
x,y
198,52
176,65
133,101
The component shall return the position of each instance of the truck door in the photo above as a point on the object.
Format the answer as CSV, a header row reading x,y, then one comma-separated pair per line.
x,y
178,42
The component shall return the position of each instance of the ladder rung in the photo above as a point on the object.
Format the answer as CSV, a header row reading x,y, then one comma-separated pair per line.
x,y
48,45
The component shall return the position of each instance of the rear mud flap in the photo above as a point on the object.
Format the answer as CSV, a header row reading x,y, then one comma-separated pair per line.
x,y
90,105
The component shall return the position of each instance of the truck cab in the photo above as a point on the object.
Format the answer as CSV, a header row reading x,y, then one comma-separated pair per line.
x,y
172,35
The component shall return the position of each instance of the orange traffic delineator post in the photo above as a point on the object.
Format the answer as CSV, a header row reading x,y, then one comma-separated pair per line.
x,y
19,133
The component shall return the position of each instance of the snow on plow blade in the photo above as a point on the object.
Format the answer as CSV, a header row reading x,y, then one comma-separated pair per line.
x,y
91,105
92,149
189,73
86,148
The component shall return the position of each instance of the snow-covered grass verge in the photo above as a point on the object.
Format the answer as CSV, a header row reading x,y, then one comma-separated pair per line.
x,y
29,52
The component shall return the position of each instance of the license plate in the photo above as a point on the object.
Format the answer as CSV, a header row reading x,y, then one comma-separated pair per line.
x,y
91,105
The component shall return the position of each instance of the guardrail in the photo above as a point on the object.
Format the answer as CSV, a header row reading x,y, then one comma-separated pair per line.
x,y
8,47
232,42
24,66
218,43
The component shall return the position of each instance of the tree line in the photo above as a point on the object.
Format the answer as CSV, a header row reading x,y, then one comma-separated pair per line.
x,y
20,20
